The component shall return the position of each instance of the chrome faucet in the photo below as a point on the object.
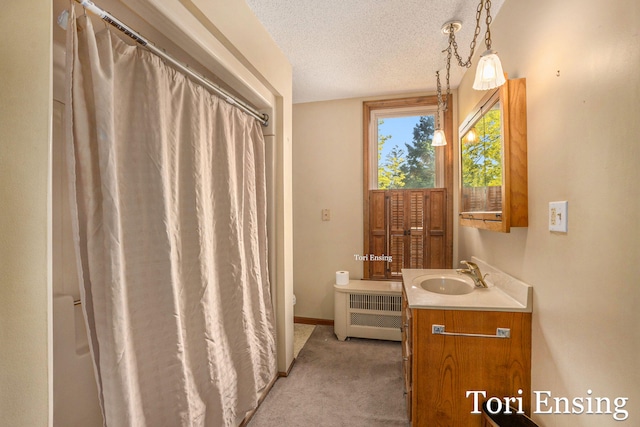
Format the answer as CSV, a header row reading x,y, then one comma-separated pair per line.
x,y
473,271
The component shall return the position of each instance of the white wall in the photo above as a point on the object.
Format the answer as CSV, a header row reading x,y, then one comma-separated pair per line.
x,y
25,274
581,61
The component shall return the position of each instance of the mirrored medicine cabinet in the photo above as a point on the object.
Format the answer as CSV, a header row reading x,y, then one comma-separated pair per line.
x,y
493,160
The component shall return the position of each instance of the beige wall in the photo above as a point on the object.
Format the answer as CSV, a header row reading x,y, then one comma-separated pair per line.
x,y
327,174
25,278
581,60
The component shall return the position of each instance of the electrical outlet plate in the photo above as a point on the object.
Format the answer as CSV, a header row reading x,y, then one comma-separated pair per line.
x,y
558,216
326,215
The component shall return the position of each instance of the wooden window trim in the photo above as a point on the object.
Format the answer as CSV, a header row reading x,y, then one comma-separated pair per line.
x,y
421,101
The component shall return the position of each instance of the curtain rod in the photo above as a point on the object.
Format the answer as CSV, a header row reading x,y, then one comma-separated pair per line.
x,y
112,20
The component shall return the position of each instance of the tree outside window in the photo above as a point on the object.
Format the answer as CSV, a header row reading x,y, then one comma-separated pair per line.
x,y
406,164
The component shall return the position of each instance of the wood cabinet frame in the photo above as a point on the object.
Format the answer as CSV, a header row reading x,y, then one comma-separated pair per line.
x,y
513,104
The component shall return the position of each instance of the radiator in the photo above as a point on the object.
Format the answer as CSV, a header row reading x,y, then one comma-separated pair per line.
x,y
368,309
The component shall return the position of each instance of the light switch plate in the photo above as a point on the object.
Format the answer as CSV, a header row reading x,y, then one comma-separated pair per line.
x,y
558,216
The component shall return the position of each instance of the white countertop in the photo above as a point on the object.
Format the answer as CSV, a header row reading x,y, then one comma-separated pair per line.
x,y
505,293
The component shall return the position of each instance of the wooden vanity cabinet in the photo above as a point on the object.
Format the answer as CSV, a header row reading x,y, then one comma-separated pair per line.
x,y
441,369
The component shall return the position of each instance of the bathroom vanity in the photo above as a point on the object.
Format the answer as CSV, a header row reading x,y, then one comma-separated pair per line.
x,y
463,345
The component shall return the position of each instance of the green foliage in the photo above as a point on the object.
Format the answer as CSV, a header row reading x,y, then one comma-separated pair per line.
x,y
420,166
381,141
416,168
481,159
392,176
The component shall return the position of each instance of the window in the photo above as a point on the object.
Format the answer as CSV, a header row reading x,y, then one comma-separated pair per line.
x,y
407,188
405,158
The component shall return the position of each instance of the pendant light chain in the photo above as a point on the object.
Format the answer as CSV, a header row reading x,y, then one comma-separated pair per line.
x,y
452,49
487,35
441,105
443,101
472,46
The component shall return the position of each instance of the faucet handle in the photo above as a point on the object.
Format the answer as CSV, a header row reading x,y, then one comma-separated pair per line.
x,y
469,264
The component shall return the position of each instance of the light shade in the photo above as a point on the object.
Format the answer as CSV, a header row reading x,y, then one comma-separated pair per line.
x,y
471,136
489,74
439,139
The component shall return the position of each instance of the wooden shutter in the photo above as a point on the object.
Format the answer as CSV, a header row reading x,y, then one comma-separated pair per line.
x,y
377,233
436,229
410,227
416,229
397,243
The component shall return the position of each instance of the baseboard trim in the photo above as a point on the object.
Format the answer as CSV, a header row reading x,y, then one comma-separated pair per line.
x,y
286,374
312,321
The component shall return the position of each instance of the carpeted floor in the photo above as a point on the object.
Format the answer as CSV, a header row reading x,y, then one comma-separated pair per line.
x,y
355,383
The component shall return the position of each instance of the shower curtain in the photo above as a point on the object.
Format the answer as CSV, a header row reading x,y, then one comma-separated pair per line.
x,y
169,199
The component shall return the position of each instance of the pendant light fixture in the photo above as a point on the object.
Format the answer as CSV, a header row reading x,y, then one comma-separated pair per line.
x,y
439,138
489,74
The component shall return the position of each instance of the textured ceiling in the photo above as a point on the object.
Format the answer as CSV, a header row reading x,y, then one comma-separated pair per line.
x,y
356,48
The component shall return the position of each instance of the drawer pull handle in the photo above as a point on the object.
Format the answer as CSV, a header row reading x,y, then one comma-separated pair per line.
x,y
500,333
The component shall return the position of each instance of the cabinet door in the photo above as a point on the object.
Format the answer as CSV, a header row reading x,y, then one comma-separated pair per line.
x,y
447,367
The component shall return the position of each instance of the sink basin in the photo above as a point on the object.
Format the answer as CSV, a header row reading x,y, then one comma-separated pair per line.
x,y
446,289
446,285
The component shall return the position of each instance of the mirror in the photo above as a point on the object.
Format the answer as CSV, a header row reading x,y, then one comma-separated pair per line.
x,y
481,151
493,161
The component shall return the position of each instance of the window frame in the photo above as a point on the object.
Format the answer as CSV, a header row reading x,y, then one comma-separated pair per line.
x,y
374,109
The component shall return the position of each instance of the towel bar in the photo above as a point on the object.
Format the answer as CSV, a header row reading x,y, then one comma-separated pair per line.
x,y
500,333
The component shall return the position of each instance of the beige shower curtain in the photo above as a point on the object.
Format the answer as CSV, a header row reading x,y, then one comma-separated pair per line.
x,y
170,201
